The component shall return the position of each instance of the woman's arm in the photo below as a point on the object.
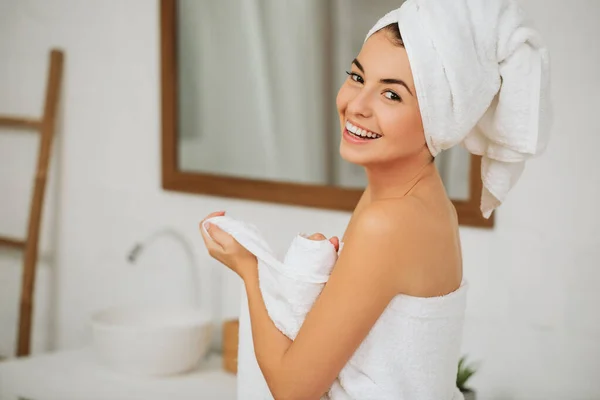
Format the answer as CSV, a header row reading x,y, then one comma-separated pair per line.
x,y
364,280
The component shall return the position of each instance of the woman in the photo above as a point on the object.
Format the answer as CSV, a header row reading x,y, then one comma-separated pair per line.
x,y
402,241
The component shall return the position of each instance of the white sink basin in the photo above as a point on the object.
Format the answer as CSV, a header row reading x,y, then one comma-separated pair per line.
x,y
150,341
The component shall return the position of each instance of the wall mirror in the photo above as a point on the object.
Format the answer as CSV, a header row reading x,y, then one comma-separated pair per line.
x,y
248,103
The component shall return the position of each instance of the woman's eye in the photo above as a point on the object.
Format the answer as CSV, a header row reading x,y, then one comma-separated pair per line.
x,y
355,77
392,96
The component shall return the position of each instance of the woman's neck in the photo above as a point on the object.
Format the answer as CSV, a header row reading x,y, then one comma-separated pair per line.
x,y
395,180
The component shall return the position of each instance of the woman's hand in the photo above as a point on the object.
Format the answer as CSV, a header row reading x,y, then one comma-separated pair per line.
x,y
224,248
335,241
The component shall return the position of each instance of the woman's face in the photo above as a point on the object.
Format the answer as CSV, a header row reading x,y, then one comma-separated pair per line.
x,y
379,97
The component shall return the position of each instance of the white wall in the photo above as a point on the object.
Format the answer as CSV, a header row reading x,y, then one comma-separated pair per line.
x,y
532,318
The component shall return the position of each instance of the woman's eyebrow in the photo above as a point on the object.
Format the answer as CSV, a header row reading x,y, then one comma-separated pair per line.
x,y
387,80
359,65
398,82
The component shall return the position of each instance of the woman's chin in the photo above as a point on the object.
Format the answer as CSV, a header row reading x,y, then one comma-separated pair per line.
x,y
352,157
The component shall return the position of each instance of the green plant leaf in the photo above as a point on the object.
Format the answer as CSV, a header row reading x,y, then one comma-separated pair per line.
x,y
465,372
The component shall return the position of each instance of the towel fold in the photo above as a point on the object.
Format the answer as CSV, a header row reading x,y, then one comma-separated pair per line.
x,y
403,357
481,74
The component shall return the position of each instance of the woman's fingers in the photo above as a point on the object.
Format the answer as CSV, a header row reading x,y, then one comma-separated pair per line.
x,y
213,214
213,247
209,242
317,236
335,241
222,238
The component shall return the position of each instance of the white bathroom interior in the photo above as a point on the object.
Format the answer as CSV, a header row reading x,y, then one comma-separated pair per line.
x,y
112,238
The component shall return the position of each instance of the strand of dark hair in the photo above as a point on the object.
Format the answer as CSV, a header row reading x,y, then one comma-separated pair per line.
x,y
393,31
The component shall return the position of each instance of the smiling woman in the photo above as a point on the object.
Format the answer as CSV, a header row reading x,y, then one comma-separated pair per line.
x,y
396,291
280,148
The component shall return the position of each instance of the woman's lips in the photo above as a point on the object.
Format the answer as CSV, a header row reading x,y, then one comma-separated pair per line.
x,y
355,139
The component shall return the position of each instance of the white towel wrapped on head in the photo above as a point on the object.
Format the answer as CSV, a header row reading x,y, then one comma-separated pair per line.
x,y
481,74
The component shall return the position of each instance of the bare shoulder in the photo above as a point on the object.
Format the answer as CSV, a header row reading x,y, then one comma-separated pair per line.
x,y
419,244
391,216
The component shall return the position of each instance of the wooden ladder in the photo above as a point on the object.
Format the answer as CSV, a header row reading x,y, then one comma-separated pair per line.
x,y
45,126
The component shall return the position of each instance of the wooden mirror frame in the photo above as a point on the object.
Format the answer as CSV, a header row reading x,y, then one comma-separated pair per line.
x,y
317,196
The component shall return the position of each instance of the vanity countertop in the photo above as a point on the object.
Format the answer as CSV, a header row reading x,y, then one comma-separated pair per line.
x,y
76,375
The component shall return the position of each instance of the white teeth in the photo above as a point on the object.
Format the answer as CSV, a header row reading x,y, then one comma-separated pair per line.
x,y
361,132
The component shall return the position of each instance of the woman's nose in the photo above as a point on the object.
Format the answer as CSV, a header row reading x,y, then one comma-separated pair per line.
x,y
360,105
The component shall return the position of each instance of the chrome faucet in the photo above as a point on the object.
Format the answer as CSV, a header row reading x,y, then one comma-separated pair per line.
x,y
138,248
